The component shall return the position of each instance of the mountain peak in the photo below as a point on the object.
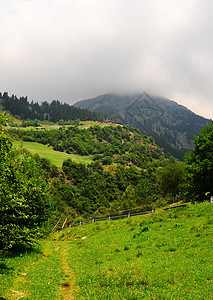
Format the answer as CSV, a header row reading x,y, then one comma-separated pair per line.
x,y
173,126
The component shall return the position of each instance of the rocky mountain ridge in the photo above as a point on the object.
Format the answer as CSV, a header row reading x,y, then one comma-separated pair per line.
x,y
173,126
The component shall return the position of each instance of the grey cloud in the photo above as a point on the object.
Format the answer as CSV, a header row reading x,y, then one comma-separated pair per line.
x,y
70,50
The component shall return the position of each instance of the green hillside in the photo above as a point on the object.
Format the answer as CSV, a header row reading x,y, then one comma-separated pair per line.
x,y
104,168
166,255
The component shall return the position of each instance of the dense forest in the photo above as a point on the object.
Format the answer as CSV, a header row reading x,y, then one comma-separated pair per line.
x,y
54,111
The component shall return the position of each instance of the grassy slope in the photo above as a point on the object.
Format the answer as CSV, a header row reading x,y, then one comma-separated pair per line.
x,y
55,157
166,255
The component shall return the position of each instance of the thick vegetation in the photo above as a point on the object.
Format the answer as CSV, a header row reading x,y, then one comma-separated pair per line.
x,y
24,197
112,143
125,172
199,166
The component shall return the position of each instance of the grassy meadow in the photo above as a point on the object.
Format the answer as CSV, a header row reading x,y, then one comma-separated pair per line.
x,y
55,157
166,255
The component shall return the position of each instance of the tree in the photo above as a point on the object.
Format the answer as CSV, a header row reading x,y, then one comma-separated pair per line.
x,y
75,172
146,191
128,199
171,178
24,197
199,166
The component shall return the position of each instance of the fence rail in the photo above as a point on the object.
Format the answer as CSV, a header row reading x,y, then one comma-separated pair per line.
x,y
115,217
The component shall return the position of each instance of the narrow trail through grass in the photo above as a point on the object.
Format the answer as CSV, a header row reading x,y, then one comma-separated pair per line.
x,y
40,275
68,284
35,275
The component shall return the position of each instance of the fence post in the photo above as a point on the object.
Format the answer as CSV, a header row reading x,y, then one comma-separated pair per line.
x,y
128,215
93,220
80,223
64,223
109,217
56,224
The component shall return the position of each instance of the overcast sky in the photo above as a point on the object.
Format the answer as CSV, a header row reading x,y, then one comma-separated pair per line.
x,y
76,49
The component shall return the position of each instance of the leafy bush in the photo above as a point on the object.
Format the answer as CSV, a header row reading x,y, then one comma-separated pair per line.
x,y
24,197
199,166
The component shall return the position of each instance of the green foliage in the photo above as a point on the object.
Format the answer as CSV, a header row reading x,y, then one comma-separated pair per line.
x,y
128,199
107,144
124,173
70,122
30,123
115,187
24,198
50,169
171,179
199,166
75,171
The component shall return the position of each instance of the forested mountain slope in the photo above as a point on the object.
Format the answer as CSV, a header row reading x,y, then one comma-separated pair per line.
x,y
173,126
124,172
54,111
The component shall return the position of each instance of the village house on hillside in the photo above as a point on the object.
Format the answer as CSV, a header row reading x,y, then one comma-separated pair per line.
x,y
110,122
